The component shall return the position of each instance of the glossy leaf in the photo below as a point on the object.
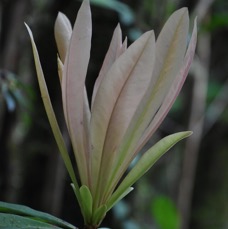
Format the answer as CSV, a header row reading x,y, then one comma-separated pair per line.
x,y
9,212
15,221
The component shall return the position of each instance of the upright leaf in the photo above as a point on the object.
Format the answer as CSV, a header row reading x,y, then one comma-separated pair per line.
x,y
63,31
146,162
125,107
73,83
51,115
173,91
107,96
170,50
112,54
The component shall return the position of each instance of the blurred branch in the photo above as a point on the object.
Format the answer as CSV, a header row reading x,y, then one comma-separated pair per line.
x,y
217,107
10,51
200,72
193,143
202,9
54,184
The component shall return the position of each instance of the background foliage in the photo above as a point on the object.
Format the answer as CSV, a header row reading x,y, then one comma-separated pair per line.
x,y
188,187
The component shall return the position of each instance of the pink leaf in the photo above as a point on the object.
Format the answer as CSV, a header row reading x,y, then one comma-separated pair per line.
x,y
170,50
111,56
107,96
173,92
126,105
63,31
73,86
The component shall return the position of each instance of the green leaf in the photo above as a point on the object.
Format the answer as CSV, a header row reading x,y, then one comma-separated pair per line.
x,y
165,213
11,211
51,115
146,162
87,202
127,191
99,215
14,221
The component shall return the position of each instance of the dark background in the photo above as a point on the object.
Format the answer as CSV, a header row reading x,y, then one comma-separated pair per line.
x,y
191,179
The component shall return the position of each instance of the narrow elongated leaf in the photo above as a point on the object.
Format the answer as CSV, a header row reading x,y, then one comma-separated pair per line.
x,y
107,96
63,31
125,193
87,202
125,107
73,83
170,50
51,115
130,96
112,54
12,210
173,92
146,162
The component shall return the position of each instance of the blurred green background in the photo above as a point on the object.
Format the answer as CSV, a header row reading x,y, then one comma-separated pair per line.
x,y
188,187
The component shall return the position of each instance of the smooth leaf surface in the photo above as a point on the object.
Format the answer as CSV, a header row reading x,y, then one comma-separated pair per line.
x,y
87,202
170,49
99,214
14,221
146,162
15,209
125,193
51,115
173,92
63,31
126,106
106,98
112,54
73,83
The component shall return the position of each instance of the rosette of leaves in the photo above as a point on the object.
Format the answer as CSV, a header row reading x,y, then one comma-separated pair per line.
x,y
133,93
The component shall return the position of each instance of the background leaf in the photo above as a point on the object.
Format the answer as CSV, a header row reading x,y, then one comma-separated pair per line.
x,y
165,213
